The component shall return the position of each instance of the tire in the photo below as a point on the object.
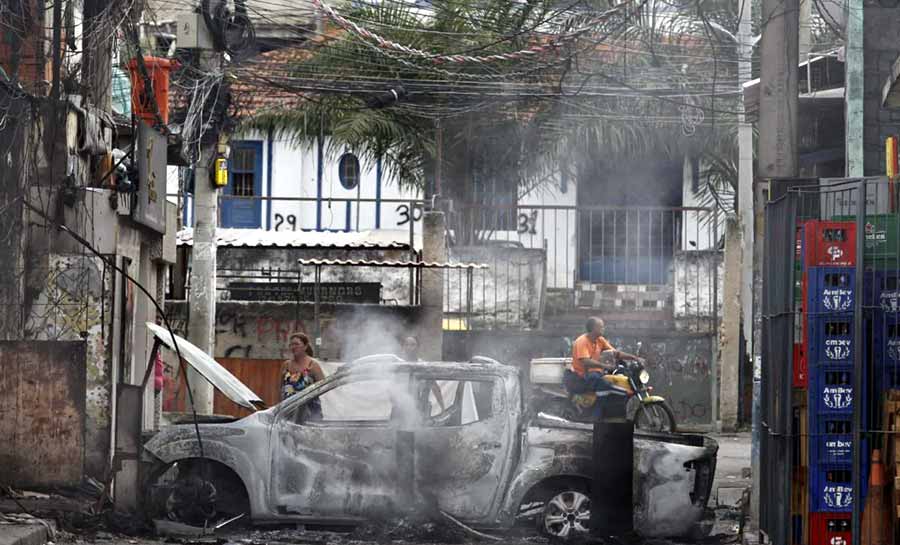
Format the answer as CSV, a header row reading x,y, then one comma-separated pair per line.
x,y
566,513
655,417
193,493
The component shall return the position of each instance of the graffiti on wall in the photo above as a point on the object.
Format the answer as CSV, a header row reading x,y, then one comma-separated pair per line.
x,y
680,370
244,335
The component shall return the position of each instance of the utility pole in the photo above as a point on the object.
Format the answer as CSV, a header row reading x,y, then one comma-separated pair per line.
x,y
805,43
853,64
202,299
745,214
745,173
778,103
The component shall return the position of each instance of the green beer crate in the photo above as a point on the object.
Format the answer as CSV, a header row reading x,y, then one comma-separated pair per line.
x,y
882,233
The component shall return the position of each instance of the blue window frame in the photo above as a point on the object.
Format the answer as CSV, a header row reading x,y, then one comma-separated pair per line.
x,y
244,180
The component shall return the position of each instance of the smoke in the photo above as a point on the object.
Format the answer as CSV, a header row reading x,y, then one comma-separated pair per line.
x,y
373,331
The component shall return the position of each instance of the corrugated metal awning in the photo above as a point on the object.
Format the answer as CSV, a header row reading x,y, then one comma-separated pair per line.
x,y
380,239
396,264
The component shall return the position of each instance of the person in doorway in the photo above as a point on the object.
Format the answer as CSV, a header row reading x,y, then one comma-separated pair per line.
x,y
587,362
410,350
301,370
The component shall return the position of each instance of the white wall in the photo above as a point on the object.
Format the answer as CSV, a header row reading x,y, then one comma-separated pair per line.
x,y
295,175
552,229
698,231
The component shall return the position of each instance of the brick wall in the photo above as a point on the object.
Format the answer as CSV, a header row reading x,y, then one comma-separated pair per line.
x,y
22,36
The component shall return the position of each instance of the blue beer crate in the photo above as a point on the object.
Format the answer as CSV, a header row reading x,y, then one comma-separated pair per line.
x,y
830,290
831,391
831,441
885,347
882,292
830,339
831,487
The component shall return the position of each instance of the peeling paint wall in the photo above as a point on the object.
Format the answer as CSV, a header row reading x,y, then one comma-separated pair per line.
x,y
282,262
695,291
43,428
509,294
75,305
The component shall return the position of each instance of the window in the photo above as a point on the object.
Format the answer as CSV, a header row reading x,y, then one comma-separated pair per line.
x,y
380,401
695,174
243,168
348,171
457,402
242,207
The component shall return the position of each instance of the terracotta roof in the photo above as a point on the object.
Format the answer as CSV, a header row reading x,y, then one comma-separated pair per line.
x,y
253,95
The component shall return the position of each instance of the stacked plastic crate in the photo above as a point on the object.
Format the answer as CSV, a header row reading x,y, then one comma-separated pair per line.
x,y
829,259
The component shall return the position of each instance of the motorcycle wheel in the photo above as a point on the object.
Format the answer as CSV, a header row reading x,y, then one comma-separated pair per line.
x,y
655,417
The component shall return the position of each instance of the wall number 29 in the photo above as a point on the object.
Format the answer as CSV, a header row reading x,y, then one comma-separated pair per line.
x,y
291,221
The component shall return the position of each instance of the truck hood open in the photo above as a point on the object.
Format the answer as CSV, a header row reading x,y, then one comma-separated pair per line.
x,y
210,369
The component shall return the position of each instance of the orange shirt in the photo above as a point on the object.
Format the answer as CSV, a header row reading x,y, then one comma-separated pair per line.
x,y
584,348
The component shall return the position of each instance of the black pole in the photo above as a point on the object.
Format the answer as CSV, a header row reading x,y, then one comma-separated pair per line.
x,y
856,482
56,45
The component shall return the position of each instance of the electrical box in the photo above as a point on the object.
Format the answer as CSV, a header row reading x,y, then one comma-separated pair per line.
x,y
192,32
221,176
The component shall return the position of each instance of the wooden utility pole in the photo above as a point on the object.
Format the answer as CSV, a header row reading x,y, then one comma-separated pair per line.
x,y
778,99
778,140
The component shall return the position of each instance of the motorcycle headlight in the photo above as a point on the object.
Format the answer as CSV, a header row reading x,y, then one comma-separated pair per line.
x,y
644,376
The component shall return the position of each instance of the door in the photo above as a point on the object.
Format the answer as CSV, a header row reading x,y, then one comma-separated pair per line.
x,y
343,462
462,448
244,180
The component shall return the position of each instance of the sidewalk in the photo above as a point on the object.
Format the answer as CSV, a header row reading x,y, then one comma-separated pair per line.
x,y
21,529
732,468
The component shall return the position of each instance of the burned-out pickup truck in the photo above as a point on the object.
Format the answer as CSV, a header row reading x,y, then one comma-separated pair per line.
x,y
381,437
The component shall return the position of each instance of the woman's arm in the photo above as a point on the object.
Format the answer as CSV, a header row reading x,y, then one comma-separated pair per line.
x,y
316,371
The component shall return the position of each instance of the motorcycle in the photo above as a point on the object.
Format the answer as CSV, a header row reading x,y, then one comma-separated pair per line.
x,y
631,384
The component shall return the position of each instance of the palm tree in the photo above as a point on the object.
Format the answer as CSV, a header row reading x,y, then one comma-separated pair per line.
x,y
514,122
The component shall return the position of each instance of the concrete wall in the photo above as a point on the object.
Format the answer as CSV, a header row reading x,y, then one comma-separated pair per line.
x,y
509,294
697,297
261,330
881,48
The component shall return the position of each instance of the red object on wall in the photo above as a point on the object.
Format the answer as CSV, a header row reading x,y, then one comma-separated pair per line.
x,y
801,367
142,102
829,244
801,372
829,529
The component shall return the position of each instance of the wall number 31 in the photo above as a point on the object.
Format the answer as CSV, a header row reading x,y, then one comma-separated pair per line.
x,y
528,223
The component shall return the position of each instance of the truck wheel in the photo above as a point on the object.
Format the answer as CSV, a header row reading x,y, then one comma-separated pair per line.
x,y
566,514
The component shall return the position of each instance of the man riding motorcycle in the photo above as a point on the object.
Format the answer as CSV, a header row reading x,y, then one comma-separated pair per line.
x,y
592,357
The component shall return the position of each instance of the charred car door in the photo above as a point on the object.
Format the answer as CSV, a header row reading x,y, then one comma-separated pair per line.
x,y
462,448
334,451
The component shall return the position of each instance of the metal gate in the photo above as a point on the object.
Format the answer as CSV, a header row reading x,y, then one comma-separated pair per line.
x,y
830,391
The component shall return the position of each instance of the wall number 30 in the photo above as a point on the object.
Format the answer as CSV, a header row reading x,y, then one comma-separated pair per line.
x,y
405,214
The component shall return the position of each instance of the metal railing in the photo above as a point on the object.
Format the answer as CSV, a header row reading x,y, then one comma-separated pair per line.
x,y
674,250
311,213
597,245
